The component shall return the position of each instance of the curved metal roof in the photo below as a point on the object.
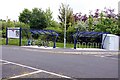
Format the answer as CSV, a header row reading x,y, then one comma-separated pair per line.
x,y
46,32
88,34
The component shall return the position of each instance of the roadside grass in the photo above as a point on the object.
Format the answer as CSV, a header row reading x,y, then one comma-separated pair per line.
x,y
61,45
12,41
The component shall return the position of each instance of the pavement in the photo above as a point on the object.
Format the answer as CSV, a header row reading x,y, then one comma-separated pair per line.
x,y
24,62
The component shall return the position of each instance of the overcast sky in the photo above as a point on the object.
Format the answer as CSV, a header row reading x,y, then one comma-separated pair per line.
x,y
12,8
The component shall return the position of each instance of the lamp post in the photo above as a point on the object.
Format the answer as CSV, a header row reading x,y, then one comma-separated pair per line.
x,y
119,14
65,27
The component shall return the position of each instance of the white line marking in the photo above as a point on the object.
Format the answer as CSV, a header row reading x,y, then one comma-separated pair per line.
x,y
21,65
115,58
102,56
106,57
56,74
26,74
37,69
6,63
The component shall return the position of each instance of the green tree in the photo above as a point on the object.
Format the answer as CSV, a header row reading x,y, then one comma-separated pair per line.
x,y
107,24
118,24
69,15
90,23
10,23
38,19
55,26
3,26
25,16
82,26
49,18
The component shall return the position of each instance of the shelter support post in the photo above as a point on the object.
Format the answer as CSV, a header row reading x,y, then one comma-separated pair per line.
x,y
54,46
75,41
6,36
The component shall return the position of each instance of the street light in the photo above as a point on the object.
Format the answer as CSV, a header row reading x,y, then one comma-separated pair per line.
x,y
119,8
65,27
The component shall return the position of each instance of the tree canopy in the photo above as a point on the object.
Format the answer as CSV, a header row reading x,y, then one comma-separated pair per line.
x,y
101,21
37,18
69,15
25,16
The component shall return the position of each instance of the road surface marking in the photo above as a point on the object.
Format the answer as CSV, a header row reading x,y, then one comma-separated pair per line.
x,y
35,72
21,65
6,63
106,57
102,56
56,74
115,58
59,75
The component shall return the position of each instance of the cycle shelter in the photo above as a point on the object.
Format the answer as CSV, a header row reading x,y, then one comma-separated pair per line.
x,y
86,34
51,33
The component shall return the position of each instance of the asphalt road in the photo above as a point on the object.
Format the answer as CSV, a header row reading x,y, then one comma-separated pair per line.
x,y
74,66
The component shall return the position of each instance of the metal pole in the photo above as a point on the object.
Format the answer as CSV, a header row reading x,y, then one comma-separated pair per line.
x,y
65,28
20,37
119,8
6,36
54,46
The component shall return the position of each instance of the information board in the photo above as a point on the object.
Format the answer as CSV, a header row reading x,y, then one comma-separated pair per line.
x,y
13,32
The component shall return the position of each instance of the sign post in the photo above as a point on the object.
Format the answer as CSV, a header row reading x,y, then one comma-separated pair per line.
x,y
20,37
